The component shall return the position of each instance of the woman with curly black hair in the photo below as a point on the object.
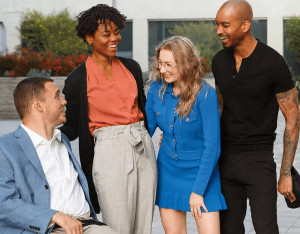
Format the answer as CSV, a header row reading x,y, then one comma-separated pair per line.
x,y
106,109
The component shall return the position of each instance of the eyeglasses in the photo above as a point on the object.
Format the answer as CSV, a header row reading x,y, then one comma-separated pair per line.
x,y
167,66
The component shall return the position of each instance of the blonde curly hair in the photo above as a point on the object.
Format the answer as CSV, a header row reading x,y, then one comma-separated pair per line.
x,y
190,71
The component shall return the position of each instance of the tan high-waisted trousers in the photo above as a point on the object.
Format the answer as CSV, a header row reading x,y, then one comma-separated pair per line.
x,y
125,177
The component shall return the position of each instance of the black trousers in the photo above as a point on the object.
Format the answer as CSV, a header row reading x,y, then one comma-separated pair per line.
x,y
248,175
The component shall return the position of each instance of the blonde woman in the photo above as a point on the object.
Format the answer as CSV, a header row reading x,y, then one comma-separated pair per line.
x,y
186,109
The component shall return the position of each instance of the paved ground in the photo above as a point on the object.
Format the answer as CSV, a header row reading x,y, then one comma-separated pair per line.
x,y
288,219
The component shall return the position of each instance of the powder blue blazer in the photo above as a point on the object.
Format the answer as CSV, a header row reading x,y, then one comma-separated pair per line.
x,y
24,190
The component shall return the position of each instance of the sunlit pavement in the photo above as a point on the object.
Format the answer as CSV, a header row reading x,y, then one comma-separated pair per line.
x,y
288,219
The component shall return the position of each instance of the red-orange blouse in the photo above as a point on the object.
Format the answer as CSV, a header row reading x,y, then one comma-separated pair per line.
x,y
111,101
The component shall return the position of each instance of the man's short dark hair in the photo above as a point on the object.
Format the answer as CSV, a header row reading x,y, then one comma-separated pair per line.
x,y
26,91
88,21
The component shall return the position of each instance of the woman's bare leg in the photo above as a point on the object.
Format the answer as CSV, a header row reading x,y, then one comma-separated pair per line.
x,y
208,223
173,221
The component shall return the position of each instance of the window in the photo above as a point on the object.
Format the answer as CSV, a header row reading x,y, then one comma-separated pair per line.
x,y
125,46
289,56
2,39
259,30
160,30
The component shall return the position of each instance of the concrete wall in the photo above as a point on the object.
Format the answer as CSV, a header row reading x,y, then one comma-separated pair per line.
x,y
7,86
141,11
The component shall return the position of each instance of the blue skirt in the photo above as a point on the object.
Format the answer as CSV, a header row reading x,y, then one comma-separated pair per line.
x,y
176,179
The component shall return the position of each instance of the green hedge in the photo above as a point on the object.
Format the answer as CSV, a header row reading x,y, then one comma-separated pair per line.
x,y
54,33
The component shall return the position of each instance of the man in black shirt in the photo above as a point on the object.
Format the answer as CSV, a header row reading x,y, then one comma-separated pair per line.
x,y
252,82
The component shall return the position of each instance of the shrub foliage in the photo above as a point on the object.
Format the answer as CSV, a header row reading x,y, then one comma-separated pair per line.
x,y
51,46
55,33
292,33
20,64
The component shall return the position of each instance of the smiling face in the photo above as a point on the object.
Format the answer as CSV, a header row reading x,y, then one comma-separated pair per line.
x,y
53,105
167,65
230,27
105,40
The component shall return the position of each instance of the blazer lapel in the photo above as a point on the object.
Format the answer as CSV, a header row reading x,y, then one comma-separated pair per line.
x,y
71,155
76,164
28,148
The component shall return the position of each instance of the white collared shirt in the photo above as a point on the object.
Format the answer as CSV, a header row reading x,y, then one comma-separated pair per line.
x,y
66,194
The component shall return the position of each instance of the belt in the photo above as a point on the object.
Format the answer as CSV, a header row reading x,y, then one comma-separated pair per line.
x,y
85,222
135,139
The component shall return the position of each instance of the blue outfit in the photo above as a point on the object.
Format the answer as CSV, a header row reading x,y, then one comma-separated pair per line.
x,y
24,190
188,157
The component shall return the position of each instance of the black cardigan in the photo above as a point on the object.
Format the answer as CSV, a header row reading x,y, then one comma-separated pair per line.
x,y
77,125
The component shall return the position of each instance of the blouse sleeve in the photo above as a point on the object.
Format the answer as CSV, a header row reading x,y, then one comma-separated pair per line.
x,y
209,111
152,123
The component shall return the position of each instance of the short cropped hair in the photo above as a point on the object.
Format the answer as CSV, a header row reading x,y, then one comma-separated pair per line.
x,y
26,91
88,21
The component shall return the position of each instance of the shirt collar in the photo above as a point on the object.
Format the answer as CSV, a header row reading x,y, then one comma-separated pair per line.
x,y
37,139
229,52
254,55
169,88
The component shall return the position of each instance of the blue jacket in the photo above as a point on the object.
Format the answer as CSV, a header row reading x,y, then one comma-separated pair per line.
x,y
197,136
24,190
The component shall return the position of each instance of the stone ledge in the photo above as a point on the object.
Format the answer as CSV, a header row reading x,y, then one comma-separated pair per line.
x,y
7,85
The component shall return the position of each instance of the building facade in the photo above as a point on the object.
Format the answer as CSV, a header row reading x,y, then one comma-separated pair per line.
x,y
150,21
